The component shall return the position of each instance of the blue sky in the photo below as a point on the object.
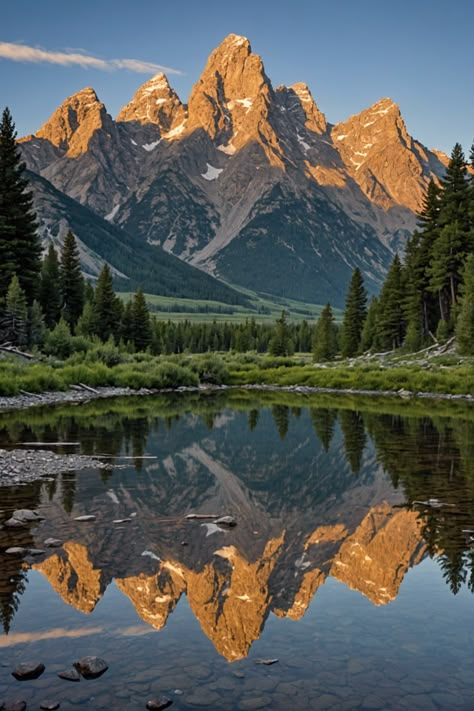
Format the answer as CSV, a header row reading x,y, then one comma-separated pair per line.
x,y
350,52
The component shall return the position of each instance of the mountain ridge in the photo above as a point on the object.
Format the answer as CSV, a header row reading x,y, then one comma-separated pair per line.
x,y
200,180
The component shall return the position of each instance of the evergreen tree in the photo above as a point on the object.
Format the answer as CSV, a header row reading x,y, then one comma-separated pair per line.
x,y
141,329
455,192
446,265
87,323
50,289
281,416
107,306
421,309
390,317
59,341
465,322
71,280
369,330
325,338
281,343
20,248
354,316
353,429
452,243
36,325
13,328
323,421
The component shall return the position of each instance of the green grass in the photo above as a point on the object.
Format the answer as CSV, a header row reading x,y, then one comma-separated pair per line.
x,y
146,371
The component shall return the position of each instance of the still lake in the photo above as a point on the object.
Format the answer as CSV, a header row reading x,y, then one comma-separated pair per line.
x,y
364,597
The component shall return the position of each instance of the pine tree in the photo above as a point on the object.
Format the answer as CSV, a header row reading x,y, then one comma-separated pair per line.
x,y
87,323
354,316
390,317
324,421
471,201
421,305
50,289
36,325
369,330
20,248
455,191
281,343
71,280
13,328
126,326
465,322
452,243
141,330
107,306
325,340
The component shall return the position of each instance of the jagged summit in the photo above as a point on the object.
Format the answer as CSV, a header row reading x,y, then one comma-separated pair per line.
x,y
72,125
155,102
382,156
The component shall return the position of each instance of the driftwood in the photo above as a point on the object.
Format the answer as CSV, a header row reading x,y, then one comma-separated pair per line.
x,y
6,348
89,389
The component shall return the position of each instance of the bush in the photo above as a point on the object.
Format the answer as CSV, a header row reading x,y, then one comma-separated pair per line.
x,y
210,369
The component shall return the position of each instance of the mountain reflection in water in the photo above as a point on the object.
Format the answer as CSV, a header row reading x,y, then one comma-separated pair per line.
x,y
319,492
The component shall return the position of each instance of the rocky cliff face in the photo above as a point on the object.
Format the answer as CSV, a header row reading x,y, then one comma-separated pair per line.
x,y
243,172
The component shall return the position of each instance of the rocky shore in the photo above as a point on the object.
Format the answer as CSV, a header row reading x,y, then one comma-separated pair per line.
x,y
21,466
21,402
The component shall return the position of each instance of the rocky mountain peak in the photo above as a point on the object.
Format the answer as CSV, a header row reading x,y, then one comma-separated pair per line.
x,y
72,125
231,99
299,106
155,102
382,157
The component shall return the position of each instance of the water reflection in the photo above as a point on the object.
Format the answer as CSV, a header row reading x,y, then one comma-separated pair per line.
x,y
318,493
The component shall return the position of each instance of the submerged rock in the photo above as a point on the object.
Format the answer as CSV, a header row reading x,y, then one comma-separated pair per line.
x,y
161,702
28,670
70,675
91,667
14,706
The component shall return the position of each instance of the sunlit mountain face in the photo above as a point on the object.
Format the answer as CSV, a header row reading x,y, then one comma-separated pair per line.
x,y
330,562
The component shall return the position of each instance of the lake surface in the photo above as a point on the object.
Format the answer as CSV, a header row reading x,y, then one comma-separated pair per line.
x,y
363,597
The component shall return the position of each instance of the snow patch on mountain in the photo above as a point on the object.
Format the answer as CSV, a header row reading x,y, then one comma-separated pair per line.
x,y
150,146
211,173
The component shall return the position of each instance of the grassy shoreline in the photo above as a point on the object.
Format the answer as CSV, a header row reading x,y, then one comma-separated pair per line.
x,y
445,378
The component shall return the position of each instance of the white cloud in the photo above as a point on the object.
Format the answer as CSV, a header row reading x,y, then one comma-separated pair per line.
x,y
22,53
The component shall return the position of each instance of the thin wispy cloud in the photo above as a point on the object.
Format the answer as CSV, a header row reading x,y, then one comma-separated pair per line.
x,y
23,53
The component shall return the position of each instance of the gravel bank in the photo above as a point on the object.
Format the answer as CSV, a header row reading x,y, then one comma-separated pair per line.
x,y
21,466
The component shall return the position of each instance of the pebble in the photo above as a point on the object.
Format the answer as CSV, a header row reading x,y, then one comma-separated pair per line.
x,y
28,670
91,667
161,702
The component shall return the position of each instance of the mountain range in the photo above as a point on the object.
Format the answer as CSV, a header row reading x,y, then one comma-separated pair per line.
x,y
247,182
